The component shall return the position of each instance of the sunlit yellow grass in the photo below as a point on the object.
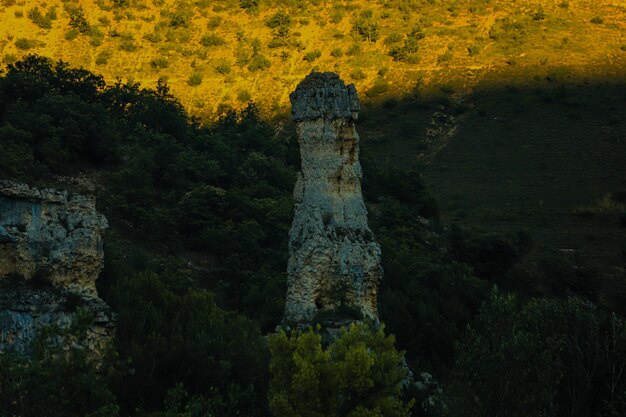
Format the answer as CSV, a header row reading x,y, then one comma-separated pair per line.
x,y
566,37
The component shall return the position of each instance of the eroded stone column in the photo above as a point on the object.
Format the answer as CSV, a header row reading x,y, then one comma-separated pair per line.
x,y
334,266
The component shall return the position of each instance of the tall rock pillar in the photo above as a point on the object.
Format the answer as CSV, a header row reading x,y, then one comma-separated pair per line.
x,y
334,265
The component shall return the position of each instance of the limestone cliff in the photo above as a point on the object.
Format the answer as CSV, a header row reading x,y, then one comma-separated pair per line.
x,y
50,257
334,266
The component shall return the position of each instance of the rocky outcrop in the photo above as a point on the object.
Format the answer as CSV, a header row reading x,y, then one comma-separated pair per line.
x,y
45,232
334,266
50,257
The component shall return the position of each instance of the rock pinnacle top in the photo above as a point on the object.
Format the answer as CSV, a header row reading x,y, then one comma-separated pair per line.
x,y
324,95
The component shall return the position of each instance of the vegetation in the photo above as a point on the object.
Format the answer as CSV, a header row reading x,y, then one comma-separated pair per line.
x,y
408,37
359,373
504,287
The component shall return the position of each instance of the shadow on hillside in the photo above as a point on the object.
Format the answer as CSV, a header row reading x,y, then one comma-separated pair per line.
x,y
546,157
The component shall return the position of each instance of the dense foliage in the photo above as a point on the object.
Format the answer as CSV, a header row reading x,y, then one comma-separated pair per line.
x,y
359,374
195,263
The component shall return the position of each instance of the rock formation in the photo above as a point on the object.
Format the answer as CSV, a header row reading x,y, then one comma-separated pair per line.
x,y
334,266
50,257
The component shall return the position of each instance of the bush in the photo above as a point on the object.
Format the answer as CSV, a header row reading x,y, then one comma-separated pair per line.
x,y
597,20
159,63
195,79
212,40
71,34
214,22
258,63
223,68
41,20
359,374
312,56
56,382
249,5
103,57
244,96
277,20
358,74
182,341
366,27
77,19
24,43
393,38
128,45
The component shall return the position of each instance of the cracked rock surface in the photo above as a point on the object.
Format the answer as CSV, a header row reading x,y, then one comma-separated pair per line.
x,y
334,266
50,257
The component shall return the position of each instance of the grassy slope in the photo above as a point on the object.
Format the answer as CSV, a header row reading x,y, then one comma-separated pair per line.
x,y
502,32
541,166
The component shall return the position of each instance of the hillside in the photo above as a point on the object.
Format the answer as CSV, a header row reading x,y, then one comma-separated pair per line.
x,y
221,54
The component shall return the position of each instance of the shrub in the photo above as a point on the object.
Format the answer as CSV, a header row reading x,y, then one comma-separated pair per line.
x,y
277,42
212,40
9,59
393,38
366,27
159,63
41,20
355,49
539,15
379,87
473,50
359,374
128,45
445,57
95,36
214,22
336,52
357,74
78,19
249,5
597,20
244,96
194,79
406,53
278,19
103,57
259,62
223,67
312,56
71,34
152,37
25,43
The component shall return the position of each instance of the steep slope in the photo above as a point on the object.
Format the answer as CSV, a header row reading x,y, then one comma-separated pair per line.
x,y
220,54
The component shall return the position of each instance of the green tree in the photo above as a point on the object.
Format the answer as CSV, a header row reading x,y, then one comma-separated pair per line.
x,y
57,381
176,337
366,26
358,374
505,368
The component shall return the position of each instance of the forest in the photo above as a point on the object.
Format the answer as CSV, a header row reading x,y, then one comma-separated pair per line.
x,y
195,271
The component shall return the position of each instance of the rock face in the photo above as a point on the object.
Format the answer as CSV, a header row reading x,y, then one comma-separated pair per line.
x,y
334,266
50,257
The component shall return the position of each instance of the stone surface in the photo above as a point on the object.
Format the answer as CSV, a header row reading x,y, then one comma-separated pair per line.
x,y
334,266
50,257
26,308
52,233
